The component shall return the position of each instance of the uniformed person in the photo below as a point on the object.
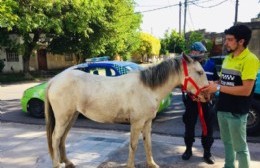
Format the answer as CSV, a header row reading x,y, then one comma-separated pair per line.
x,y
191,114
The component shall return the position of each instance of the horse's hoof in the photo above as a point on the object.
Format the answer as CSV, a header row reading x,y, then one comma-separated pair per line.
x,y
130,166
153,166
57,166
70,165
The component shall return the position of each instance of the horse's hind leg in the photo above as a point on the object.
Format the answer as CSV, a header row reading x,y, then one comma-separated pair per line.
x,y
61,124
147,144
134,136
63,155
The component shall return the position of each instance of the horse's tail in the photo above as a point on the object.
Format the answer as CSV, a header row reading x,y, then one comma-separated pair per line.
x,y
49,120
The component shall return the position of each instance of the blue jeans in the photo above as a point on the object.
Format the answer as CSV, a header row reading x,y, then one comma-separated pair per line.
x,y
233,134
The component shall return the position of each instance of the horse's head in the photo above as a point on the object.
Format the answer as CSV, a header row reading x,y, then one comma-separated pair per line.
x,y
194,78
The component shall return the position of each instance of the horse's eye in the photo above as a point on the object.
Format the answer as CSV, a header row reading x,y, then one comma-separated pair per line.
x,y
200,73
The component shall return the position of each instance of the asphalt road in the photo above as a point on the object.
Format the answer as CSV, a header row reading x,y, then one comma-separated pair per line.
x,y
168,122
24,145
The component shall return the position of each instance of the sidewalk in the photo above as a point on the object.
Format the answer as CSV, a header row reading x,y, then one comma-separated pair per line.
x,y
10,91
25,146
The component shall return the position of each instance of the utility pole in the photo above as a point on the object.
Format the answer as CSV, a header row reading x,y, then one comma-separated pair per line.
x,y
185,12
236,12
180,18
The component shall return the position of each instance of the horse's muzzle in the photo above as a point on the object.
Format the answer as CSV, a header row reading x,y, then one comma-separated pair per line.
x,y
202,97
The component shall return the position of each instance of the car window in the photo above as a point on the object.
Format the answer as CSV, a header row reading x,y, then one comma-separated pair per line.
x,y
102,71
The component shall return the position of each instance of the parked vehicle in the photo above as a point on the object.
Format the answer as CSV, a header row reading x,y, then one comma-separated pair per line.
x,y
32,100
253,120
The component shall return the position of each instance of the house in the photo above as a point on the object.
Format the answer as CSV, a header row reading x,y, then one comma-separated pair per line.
x,y
254,44
39,60
218,38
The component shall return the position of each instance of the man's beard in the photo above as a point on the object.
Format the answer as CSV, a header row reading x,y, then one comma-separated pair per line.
x,y
230,51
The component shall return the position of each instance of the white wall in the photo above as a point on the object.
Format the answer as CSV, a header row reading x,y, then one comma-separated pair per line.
x,y
11,66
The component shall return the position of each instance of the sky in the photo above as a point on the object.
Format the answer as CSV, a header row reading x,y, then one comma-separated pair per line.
x,y
212,15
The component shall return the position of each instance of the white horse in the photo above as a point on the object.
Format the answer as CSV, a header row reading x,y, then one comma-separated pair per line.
x,y
132,98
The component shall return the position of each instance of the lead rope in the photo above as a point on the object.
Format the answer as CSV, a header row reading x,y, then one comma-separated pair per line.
x,y
202,120
184,88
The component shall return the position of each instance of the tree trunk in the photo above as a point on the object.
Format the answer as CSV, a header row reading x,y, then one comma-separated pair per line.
x,y
26,62
29,45
79,58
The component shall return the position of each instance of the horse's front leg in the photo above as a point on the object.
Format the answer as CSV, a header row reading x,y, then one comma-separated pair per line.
x,y
147,144
134,136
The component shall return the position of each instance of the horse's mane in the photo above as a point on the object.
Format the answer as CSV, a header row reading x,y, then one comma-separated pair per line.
x,y
155,76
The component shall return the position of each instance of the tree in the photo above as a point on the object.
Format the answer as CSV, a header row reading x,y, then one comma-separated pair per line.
x,y
124,30
83,27
33,19
148,46
175,43
198,36
172,42
113,32
7,17
193,37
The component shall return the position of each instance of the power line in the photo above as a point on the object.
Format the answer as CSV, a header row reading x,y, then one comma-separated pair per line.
x,y
193,2
202,2
212,6
186,4
191,20
155,9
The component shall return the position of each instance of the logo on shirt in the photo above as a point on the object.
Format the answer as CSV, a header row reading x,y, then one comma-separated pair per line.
x,y
228,77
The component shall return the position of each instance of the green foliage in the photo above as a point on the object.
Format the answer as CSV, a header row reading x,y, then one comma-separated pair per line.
x,y
151,44
124,28
112,30
7,18
194,36
175,43
85,28
172,42
148,46
209,44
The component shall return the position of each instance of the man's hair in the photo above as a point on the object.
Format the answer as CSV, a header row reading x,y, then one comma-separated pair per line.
x,y
240,32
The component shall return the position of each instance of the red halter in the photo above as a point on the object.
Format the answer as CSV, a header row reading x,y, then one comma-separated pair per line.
x,y
188,79
184,89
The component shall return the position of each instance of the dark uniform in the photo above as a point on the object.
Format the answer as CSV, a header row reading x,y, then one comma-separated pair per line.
x,y
190,117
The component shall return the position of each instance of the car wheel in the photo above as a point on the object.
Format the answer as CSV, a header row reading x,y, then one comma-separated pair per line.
x,y
35,108
253,120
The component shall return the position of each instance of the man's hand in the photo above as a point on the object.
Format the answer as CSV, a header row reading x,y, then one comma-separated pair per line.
x,y
211,88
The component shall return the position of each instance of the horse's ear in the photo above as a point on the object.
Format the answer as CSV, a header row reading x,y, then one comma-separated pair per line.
x,y
187,58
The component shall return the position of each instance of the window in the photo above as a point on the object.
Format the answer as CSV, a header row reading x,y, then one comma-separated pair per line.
x,y
103,71
11,56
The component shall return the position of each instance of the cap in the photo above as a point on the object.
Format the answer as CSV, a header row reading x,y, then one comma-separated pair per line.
x,y
198,46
